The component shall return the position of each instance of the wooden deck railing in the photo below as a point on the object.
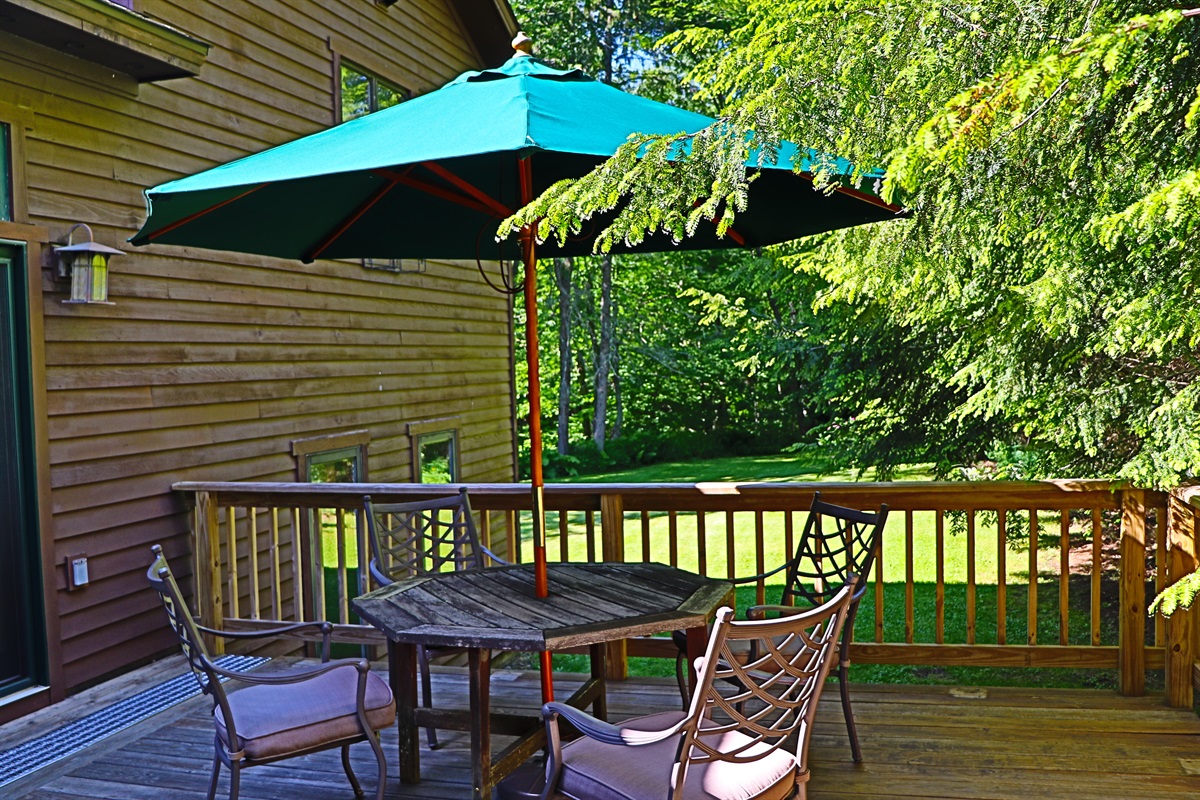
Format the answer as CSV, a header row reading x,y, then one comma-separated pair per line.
x,y
1016,544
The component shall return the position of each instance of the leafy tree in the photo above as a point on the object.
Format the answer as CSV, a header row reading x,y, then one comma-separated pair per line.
x,y
1049,155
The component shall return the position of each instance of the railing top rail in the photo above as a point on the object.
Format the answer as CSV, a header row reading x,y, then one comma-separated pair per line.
x,y
716,496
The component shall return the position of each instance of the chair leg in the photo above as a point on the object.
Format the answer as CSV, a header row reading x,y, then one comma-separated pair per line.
x,y
235,780
426,693
847,711
680,678
216,772
373,738
354,784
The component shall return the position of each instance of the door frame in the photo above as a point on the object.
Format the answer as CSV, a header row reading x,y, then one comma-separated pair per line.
x,y
35,241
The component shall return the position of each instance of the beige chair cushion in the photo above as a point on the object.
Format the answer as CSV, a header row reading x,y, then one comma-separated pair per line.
x,y
596,771
277,720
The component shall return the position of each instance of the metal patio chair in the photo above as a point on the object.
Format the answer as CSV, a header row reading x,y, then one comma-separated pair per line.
x,y
836,542
285,713
745,734
411,539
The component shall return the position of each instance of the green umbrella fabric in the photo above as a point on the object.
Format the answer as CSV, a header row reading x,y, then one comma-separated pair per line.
x,y
431,177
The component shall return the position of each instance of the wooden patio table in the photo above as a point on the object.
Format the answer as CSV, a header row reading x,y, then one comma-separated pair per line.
x,y
496,609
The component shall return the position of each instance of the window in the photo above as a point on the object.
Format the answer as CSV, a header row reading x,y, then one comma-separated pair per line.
x,y
361,91
437,457
335,466
6,171
340,458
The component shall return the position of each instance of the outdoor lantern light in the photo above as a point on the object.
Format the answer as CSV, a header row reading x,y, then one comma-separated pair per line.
x,y
86,265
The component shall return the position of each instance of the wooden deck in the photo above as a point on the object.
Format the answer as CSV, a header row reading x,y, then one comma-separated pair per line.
x,y
926,742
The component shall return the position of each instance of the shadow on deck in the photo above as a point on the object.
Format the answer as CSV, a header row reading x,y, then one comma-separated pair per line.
x,y
927,742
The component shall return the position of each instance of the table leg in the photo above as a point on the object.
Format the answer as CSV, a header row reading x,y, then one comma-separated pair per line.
x,y
479,669
402,674
600,704
697,643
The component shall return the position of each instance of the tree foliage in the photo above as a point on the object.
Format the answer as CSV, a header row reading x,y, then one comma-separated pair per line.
x,y
1049,155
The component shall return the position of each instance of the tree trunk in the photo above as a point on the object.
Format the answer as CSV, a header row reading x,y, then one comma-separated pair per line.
x,y
562,276
603,354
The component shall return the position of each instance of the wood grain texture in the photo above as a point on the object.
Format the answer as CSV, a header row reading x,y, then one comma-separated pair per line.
x,y
954,743
210,364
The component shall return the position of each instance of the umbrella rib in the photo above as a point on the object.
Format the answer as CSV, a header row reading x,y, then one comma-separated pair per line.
x,y
445,194
474,191
179,223
325,243
866,197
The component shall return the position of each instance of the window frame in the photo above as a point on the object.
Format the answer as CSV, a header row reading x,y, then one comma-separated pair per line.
x,y
345,53
311,451
18,120
426,431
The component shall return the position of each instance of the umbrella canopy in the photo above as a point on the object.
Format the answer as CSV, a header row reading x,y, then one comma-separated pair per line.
x,y
430,177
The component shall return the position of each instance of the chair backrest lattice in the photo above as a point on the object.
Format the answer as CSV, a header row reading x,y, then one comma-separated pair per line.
x,y
837,542
775,696
410,539
162,580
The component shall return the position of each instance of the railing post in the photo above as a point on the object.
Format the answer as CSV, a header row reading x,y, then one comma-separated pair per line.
x,y
1132,643
1181,631
206,575
612,542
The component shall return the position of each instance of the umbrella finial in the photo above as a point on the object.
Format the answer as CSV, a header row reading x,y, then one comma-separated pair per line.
x,y
522,44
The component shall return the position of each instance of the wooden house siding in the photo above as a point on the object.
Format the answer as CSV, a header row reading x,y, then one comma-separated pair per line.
x,y
209,364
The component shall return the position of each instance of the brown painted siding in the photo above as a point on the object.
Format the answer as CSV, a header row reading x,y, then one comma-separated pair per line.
x,y
210,364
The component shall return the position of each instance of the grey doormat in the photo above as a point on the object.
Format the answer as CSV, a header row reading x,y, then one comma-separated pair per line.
x,y
56,745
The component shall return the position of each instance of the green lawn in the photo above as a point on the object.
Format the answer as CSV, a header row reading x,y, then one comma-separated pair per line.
x,y
925,569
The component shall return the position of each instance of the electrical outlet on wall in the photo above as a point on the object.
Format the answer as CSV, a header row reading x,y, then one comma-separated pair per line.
x,y
77,571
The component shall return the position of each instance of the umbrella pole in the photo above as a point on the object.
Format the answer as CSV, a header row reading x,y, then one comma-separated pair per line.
x,y
541,581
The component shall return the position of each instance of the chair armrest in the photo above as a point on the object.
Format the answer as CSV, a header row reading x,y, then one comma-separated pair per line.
x,y
760,612
325,627
760,576
605,732
497,560
295,675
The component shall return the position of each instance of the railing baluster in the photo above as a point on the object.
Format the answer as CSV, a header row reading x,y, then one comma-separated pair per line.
x,y
1064,576
940,588
909,560
673,537
297,568
590,523
1097,569
512,523
645,536
276,589
1001,577
343,599
730,537
252,574
760,589
879,591
1031,617
701,545
1160,569
235,595
971,576
564,537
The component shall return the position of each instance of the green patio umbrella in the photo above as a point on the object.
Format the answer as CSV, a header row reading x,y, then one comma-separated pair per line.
x,y
431,178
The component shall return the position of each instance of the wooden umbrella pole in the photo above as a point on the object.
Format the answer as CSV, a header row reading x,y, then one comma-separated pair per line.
x,y
541,580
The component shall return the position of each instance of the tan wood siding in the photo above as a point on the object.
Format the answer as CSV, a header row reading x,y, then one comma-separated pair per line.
x,y
210,364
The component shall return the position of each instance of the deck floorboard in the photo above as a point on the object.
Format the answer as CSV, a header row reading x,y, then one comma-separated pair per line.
x,y
925,742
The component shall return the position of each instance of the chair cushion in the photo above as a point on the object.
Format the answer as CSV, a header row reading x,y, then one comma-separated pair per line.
x,y
593,770
274,721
